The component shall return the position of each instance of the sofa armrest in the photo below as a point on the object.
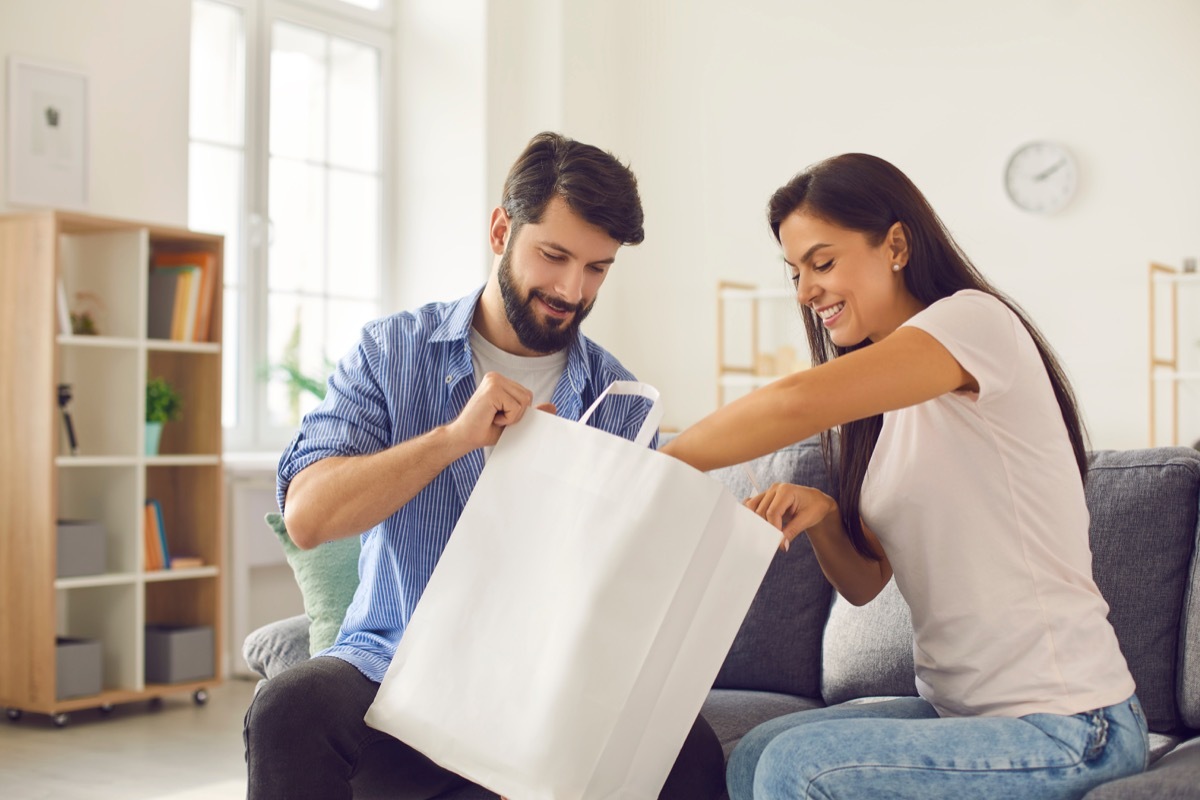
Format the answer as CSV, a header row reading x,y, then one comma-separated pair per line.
x,y
277,645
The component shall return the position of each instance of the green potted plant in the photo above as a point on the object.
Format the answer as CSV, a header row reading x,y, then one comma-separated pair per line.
x,y
163,404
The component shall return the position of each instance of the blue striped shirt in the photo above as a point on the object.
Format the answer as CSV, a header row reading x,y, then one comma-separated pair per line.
x,y
410,373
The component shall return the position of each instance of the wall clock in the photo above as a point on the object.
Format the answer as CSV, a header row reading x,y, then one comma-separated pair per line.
x,y
1041,177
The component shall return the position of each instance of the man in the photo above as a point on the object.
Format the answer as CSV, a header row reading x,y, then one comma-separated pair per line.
x,y
399,442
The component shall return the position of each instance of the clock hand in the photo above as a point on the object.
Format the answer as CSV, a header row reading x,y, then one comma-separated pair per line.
x,y
1046,173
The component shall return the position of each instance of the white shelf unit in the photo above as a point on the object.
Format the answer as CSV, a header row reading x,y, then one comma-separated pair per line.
x,y
760,306
1170,373
108,479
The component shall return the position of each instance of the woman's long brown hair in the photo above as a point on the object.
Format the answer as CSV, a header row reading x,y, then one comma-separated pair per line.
x,y
867,194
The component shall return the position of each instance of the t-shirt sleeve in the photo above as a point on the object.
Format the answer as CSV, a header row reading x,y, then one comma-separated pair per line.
x,y
978,330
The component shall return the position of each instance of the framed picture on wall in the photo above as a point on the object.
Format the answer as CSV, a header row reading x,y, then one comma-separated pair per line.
x,y
47,135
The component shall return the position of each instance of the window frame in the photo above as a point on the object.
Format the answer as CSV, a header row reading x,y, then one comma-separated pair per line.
x,y
253,431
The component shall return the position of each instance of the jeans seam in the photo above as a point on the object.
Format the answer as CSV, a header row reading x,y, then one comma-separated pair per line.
x,y
810,787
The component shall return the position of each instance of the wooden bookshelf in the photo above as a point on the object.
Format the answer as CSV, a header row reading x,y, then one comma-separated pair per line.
x,y
107,263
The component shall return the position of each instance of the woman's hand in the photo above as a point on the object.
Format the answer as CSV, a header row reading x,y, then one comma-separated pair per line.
x,y
792,509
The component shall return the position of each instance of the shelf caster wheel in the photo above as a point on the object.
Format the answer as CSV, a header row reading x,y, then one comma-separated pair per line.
x,y
200,696
60,720
13,714
106,709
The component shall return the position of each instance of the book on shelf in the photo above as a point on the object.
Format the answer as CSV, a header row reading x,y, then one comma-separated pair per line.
x,y
150,555
157,555
183,288
186,562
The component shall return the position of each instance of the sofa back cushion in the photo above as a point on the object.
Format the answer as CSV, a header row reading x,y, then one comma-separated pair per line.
x,y
867,650
1143,506
778,648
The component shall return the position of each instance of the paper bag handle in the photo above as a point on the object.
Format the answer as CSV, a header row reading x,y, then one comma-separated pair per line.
x,y
653,417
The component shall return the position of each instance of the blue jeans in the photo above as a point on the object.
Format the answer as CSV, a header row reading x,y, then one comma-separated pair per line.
x,y
902,749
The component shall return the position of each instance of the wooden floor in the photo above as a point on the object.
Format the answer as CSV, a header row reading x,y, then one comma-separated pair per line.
x,y
140,751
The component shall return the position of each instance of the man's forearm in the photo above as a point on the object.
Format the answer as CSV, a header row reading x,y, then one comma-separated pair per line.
x,y
338,497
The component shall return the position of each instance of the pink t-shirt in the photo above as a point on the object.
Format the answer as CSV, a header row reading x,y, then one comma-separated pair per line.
x,y
977,501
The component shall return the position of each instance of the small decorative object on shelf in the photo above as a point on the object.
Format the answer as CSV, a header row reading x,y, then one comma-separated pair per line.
x,y
163,404
83,320
64,399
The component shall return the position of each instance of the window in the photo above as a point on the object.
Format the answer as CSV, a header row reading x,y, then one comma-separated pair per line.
x,y
288,123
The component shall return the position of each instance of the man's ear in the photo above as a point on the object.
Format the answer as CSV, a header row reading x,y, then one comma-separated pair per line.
x,y
499,230
897,243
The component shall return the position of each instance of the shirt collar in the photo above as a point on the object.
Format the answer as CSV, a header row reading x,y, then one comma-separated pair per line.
x,y
456,328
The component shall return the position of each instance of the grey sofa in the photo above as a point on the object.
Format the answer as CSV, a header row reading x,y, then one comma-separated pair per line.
x,y
1144,506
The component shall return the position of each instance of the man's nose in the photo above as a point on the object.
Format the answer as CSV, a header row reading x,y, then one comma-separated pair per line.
x,y
569,283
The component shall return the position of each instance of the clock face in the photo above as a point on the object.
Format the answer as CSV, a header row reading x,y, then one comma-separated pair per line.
x,y
1040,177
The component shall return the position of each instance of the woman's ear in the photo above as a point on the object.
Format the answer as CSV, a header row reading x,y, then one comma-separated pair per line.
x,y
896,241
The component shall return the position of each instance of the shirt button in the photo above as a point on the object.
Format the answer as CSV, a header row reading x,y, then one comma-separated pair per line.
x,y
449,378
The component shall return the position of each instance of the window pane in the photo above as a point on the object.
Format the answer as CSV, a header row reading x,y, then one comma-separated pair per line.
x,y
353,235
297,212
354,105
295,348
299,77
230,358
218,73
346,318
374,5
215,199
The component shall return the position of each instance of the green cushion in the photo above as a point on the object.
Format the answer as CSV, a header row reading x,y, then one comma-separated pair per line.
x,y
327,576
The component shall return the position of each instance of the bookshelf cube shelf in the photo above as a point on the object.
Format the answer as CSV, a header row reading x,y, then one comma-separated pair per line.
x,y
52,265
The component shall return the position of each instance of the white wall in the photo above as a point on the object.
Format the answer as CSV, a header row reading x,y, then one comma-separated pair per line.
x,y
440,225
135,53
716,104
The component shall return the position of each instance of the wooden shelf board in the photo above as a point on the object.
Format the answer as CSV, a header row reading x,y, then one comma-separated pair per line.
x,y
757,294
183,461
116,697
167,345
159,575
97,461
114,342
87,581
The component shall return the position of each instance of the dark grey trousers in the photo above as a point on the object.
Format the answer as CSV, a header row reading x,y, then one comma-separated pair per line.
x,y
305,738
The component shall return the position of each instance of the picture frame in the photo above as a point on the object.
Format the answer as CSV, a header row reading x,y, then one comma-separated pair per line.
x,y
48,137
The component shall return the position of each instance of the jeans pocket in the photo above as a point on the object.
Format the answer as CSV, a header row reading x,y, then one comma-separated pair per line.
x,y
1139,718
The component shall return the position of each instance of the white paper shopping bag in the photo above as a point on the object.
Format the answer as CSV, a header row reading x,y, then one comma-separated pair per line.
x,y
578,616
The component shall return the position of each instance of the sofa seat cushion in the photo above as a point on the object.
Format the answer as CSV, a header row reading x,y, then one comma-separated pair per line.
x,y
778,647
1175,776
733,712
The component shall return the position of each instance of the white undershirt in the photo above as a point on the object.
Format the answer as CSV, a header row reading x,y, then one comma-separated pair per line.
x,y
538,374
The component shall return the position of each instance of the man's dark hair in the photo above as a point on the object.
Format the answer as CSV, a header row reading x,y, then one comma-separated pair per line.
x,y
594,184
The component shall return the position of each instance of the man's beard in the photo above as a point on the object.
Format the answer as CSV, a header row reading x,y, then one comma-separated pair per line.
x,y
540,336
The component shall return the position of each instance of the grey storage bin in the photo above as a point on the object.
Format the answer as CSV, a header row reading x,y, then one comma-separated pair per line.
x,y
176,653
82,548
78,667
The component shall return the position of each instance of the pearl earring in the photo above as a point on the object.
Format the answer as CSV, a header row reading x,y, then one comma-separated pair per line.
x,y
895,267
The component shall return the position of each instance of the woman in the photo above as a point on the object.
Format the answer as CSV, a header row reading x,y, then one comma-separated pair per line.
x,y
960,471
